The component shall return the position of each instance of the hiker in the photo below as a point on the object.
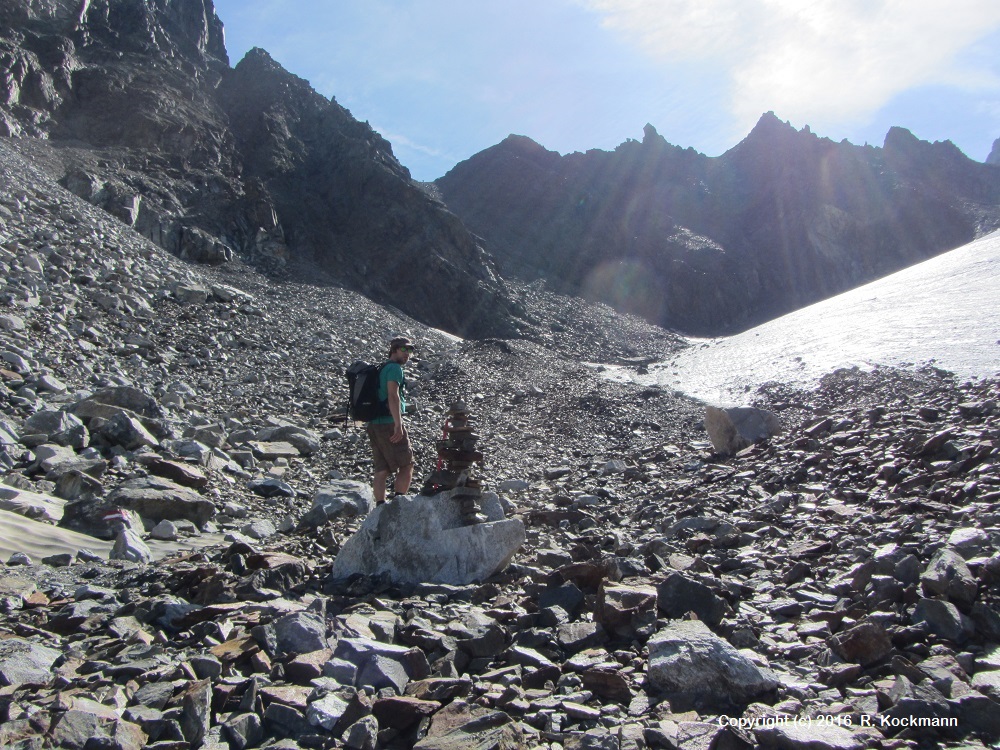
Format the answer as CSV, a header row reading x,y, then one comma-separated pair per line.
x,y
391,448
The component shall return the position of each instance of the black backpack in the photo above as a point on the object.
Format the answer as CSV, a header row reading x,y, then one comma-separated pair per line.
x,y
362,383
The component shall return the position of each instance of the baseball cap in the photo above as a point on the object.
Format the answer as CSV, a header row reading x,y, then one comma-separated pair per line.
x,y
401,341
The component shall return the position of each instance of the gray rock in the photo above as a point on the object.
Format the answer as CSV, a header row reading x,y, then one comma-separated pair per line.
x,y
8,433
243,730
948,575
380,665
260,529
339,498
943,619
33,505
271,487
732,430
59,427
300,633
189,449
164,531
687,658
326,711
461,726
305,441
422,539
362,734
158,499
865,643
11,323
196,711
514,485
677,595
128,432
479,635
105,402
130,546
812,736
969,542
191,293
25,662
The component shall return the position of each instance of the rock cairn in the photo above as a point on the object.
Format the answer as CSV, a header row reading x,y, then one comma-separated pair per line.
x,y
457,457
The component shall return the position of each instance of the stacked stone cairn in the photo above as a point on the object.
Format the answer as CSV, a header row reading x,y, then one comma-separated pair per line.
x,y
457,456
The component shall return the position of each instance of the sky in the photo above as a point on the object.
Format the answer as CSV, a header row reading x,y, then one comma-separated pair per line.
x,y
442,80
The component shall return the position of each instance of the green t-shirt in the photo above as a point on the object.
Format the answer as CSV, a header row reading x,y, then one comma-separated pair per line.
x,y
391,371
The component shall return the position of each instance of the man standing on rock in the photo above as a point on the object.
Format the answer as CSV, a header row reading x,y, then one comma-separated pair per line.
x,y
391,448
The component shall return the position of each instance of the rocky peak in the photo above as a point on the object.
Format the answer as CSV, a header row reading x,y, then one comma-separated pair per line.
x,y
901,140
994,157
650,137
189,27
771,131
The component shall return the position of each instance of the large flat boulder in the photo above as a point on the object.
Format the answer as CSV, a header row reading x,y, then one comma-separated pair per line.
x,y
156,499
422,540
688,658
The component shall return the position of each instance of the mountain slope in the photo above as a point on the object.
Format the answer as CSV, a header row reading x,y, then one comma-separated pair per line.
x,y
716,245
133,106
939,312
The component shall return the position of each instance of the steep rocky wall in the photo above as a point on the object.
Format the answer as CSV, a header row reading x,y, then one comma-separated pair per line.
x,y
133,106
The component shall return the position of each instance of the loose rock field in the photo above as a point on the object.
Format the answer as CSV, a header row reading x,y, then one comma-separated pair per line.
x,y
833,587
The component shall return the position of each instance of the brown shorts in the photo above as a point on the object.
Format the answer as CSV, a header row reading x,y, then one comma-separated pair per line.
x,y
389,456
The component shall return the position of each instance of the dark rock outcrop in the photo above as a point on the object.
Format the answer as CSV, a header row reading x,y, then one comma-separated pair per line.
x,y
346,202
133,106
716,245
994,157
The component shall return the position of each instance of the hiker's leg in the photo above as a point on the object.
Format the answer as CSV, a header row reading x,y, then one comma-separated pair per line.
x,y
378,485
403,478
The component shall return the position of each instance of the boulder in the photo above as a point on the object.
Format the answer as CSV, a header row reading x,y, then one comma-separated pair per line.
x,y
379,665
619,605
130,546
339,498
59,427
32,504
422,540
943,619
118,397
689,659
157,499
678,595
865,644
127,431
732,430
23,661
306,442
471,727
300,633
791,735
948,575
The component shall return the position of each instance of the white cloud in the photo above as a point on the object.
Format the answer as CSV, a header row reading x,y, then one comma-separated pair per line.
x,y
821,62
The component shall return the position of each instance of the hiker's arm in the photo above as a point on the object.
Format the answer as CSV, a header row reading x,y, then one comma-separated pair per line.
x,y
395,409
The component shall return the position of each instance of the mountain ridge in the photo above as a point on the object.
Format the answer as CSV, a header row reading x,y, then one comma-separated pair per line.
x,y
715,245
134,107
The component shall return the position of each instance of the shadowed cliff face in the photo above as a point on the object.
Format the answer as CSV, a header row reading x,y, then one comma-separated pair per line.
x,y
716,245
347,204
142,115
